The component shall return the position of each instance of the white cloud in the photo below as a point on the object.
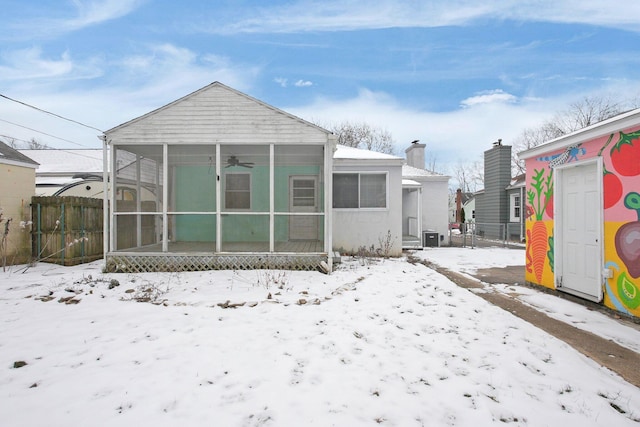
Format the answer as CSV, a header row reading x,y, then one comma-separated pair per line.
x,y
303,83
97,11
489,97
304,15
84,14
461,135
281,81
28,64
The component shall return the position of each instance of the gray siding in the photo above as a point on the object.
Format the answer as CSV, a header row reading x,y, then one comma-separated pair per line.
x,y
493,206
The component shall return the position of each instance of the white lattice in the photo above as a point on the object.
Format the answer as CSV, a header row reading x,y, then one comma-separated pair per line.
x,y
139,263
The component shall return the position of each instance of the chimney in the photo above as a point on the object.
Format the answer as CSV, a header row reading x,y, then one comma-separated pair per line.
x,y
415,154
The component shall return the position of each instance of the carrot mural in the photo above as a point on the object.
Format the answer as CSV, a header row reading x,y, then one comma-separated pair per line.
x,y
539,197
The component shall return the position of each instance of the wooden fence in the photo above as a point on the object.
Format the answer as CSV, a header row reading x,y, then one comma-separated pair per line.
x,y
67,230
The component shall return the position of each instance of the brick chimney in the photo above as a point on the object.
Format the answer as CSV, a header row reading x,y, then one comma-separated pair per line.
x,y
415,154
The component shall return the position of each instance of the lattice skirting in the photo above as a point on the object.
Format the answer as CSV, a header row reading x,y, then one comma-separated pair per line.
x,y
141,263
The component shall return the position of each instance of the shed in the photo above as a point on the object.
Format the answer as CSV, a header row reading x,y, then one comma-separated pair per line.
x,y
583,213
17,186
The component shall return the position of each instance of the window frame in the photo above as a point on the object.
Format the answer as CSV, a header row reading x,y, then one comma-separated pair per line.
x,y
359,198
515,207
226,191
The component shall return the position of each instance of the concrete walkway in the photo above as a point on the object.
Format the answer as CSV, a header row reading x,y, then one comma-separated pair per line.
x,y
621,360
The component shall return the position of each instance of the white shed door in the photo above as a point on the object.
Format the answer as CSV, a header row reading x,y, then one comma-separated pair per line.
x,y
303,198
580,227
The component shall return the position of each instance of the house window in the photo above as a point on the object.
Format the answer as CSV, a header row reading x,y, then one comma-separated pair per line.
x,y
359,190
237,191
515,208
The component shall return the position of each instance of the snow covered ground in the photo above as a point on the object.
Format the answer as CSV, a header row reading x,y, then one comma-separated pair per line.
x,y
387,342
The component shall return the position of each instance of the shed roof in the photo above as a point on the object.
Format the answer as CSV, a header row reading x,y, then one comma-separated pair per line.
x,y
67,162
9,155
613,124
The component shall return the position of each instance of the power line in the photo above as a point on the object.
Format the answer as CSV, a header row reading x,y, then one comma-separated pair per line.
x,y
50,113
43,133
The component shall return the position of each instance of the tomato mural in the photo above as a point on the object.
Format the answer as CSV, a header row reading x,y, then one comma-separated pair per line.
x,y
620,154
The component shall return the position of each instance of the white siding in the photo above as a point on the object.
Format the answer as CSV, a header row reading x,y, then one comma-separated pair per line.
x,y
217,114
353,228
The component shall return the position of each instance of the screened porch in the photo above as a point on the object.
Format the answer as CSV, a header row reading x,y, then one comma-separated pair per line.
x,y
218,199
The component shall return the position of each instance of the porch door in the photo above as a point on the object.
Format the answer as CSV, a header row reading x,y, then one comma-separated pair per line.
x,y
580,231
303,197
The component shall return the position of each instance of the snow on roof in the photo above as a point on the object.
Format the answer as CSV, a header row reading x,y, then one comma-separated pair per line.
x,y
344,152
67,162
410,183
410,171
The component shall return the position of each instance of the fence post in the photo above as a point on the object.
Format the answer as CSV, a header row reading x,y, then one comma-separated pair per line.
x,y
38,233
82,233
62,233
504,235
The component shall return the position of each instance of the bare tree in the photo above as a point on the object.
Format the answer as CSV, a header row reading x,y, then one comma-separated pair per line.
x,y
469,176
580,114
363,135
34,144
10,141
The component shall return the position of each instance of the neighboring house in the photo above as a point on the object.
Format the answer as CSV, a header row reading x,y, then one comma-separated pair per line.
x,y
425,196
68,172
500,206
583,227
462,200
17,186
365,206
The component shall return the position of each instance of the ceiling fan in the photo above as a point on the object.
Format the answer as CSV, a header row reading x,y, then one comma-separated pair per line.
x,y
234,161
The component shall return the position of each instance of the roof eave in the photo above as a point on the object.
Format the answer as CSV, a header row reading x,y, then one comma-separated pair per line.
x,y
596,130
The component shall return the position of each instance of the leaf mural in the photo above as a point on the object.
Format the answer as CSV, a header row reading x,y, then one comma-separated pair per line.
x,y
539,197
628,291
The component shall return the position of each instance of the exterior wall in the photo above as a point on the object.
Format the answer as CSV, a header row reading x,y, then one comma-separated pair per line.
x,y
435,197
515,226
354,228
619,148
17,186
217,115
493,207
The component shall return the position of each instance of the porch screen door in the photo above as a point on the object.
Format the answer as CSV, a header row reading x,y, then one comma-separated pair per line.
x,y
303,198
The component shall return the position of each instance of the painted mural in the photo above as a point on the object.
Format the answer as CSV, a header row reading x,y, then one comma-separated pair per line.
x,y
620,152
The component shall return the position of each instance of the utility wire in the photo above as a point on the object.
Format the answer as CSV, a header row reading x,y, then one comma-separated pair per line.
x,y
50,113
44,133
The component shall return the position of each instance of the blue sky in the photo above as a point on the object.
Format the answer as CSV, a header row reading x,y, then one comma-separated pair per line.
x,y
457,75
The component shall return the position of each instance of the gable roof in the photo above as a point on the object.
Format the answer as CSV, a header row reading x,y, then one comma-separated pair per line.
x,y
220,86
10,155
